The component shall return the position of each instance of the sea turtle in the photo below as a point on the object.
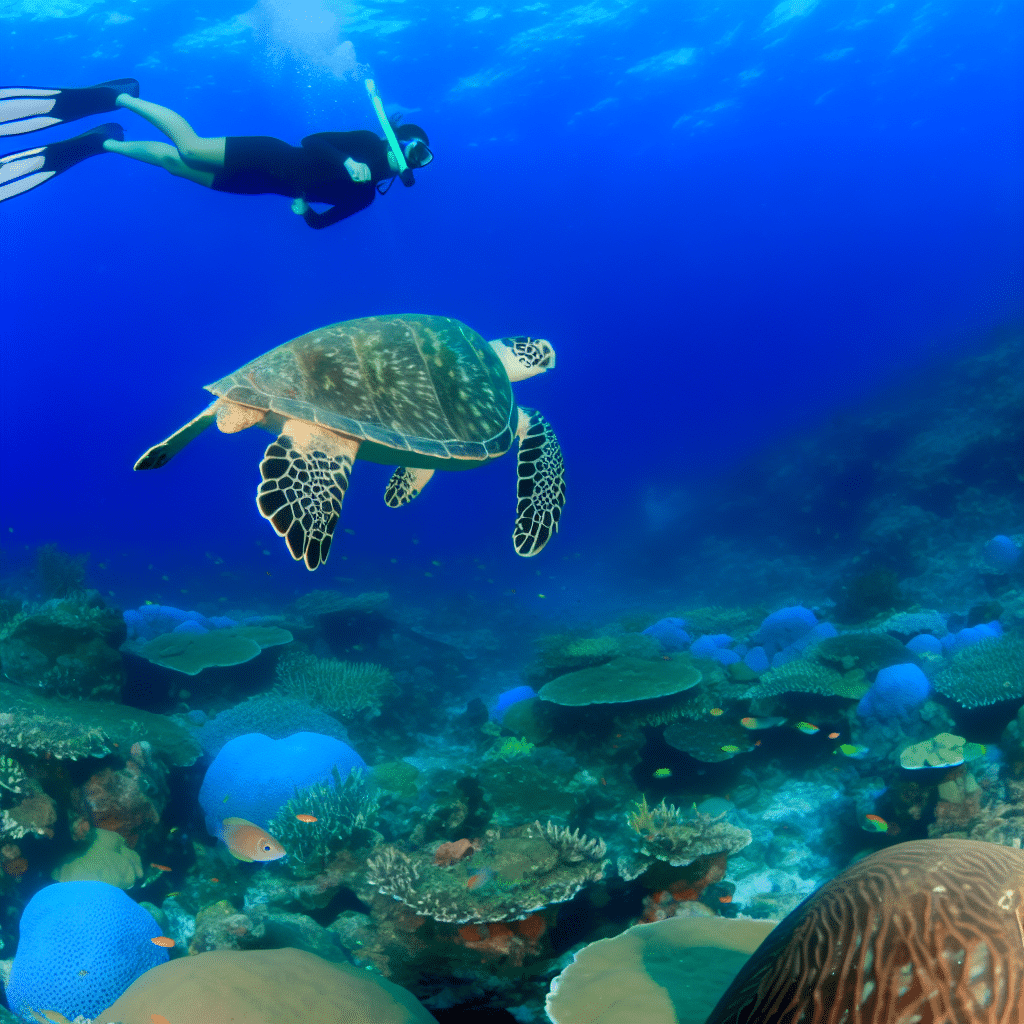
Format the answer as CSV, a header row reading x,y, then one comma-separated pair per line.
x,y
425,392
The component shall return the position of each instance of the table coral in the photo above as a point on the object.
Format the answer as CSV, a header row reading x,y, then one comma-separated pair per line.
x,y
623,680
190,652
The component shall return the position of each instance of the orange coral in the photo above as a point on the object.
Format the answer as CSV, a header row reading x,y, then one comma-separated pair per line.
x,y
451,853
532,927
17,867
114,801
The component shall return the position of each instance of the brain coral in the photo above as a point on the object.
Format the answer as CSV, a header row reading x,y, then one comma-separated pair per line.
x,y
266,986
985,673
925,931
82,944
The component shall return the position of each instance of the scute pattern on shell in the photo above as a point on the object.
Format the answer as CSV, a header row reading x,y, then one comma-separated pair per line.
x,y
426,384
930,931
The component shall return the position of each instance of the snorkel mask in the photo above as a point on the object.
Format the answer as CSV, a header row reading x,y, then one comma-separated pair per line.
x,y
417,152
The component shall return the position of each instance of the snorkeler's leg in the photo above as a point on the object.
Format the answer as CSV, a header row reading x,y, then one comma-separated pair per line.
x,y
198,153
160,154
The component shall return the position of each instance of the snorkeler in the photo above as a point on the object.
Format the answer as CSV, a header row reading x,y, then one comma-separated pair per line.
x,y
343,169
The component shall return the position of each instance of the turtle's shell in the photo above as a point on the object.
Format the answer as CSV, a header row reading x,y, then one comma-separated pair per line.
x,y
426,384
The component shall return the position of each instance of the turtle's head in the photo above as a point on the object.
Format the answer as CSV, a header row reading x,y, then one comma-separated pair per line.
x,y
524,357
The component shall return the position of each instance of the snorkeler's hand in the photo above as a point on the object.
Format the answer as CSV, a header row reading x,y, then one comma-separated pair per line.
x,y
300,206
356,170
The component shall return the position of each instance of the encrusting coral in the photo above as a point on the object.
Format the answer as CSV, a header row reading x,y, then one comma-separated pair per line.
x,y
342,687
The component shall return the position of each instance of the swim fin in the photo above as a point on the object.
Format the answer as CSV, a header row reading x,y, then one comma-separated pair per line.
x,y
20,172
29,109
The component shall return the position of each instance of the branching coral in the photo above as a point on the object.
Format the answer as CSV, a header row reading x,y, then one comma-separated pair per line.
x,y
667,833
804,676
344,811
342,687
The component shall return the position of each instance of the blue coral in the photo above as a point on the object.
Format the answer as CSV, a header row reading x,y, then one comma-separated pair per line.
x,y
253,776
1002,554
670,634
971,635
508,698
715,646
82,944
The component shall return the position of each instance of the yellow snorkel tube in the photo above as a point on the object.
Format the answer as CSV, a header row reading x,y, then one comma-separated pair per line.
x,y
404,173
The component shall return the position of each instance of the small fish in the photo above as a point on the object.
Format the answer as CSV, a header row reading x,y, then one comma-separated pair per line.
x,y
717,711
249,842
833,735
159,867
873,823
725,899
308,818
806,727
854,750
663,773
214,879
163,940
481,877
731,748
761,723
227,797
170,895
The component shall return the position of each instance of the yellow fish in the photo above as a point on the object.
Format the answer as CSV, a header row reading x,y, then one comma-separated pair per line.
x,y
761,723
249,842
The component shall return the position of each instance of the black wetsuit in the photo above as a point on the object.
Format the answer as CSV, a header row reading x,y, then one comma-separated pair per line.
x,y
314,171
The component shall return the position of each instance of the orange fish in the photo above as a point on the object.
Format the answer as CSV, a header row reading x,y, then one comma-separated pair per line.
x,y
833,735
163,940
158,1018
308,818
249,842
717,711
214,879
725,899
160,867
482,877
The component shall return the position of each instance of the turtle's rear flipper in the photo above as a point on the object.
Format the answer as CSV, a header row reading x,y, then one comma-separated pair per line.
x,y
541,488
162,453
404,485
305,476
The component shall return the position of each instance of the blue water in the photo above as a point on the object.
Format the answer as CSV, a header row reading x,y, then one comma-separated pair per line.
x,y
730,219
759,235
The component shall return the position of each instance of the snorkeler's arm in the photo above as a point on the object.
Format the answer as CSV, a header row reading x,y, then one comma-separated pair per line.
x,y
338,212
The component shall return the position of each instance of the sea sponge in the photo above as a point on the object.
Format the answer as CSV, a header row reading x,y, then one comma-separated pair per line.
x,y
986,673
253,776
107,859
622,680
266,986
82,944
896,691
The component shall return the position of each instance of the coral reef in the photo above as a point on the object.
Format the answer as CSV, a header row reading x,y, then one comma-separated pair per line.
x,y
106,859
190,652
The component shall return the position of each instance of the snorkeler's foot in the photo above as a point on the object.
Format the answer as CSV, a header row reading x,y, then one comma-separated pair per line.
x,y
21,172
26,109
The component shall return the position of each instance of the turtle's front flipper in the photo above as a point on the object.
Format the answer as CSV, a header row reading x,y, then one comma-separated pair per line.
x,y
162,453
404,485
305,476
541,487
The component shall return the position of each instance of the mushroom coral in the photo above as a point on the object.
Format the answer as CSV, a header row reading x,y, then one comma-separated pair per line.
x,y
265,986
